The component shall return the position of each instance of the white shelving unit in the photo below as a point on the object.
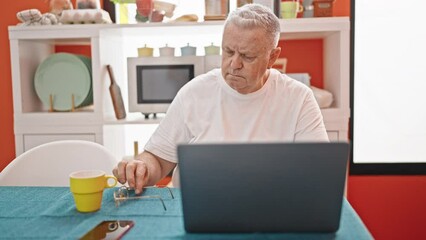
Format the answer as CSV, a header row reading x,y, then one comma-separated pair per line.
x,y
112,44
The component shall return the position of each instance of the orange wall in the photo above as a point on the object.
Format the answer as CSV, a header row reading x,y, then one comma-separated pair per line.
x,y
7,140
304,56
392,207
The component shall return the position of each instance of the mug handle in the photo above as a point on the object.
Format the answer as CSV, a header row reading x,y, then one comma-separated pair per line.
x,y
300,8
108,177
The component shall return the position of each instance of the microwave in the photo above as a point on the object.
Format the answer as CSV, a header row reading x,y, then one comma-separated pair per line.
x,y
153,82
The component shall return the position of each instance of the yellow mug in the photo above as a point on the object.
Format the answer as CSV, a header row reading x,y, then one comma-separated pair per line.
x,y
87,188
290,9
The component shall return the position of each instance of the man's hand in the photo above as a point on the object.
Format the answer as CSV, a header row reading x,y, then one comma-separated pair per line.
x,y
145,170
134,172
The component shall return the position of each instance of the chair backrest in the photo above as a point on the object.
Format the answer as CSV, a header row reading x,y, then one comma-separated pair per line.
x,y
50,164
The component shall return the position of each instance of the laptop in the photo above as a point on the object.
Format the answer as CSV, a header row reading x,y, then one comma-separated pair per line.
x,y
262,187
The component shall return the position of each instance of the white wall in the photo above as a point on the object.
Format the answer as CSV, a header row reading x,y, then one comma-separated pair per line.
x,y
390,81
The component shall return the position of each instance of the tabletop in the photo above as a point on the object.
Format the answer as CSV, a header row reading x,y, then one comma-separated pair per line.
x,y
49,212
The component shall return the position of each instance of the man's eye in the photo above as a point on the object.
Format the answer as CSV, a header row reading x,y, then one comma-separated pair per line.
x,y
248,58
229,53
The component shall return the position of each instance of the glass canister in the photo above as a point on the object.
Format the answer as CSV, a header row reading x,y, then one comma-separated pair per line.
x,y
274,5
243,2
308,8
216,9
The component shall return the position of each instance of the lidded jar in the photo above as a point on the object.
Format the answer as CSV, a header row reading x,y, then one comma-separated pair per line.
x,y
167,51
145,51
212,50
188,50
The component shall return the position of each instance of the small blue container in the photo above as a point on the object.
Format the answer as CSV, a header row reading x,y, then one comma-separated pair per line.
x,y
188,50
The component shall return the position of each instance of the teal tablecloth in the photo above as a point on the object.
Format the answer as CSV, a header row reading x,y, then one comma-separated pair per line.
x,y
49,213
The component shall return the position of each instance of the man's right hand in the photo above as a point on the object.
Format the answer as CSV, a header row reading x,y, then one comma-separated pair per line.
x,y
146,169
134,172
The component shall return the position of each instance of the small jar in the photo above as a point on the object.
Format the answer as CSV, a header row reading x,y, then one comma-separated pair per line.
x,y
145,51
167,51
308,8
188,50
212,50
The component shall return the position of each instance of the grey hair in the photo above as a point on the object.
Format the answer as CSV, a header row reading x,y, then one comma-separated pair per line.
x,y
256,15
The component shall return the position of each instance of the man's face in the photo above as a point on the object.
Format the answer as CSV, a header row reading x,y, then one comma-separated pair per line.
x,y
247,54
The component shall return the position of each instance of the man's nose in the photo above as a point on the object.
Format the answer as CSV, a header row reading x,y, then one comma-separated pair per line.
x,y
236,62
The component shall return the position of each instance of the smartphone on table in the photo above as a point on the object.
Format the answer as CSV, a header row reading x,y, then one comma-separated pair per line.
x,y
109,230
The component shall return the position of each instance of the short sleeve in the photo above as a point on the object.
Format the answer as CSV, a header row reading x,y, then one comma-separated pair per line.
x,y
310,125
171,131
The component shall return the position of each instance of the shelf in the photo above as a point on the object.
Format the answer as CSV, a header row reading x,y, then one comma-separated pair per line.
x,y
58,118
134,118
300,28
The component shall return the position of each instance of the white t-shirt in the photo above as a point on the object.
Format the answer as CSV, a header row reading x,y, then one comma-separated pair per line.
x,y
207,109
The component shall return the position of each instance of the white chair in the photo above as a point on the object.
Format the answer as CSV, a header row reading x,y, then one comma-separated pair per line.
x,y
50,164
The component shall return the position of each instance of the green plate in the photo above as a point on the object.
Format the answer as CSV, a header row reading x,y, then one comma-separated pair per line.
x,y
88,62
61,75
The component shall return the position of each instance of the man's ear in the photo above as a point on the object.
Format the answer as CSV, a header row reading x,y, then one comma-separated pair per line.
x,y
275,53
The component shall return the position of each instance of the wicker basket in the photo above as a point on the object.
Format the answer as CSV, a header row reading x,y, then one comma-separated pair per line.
x,y
323,8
